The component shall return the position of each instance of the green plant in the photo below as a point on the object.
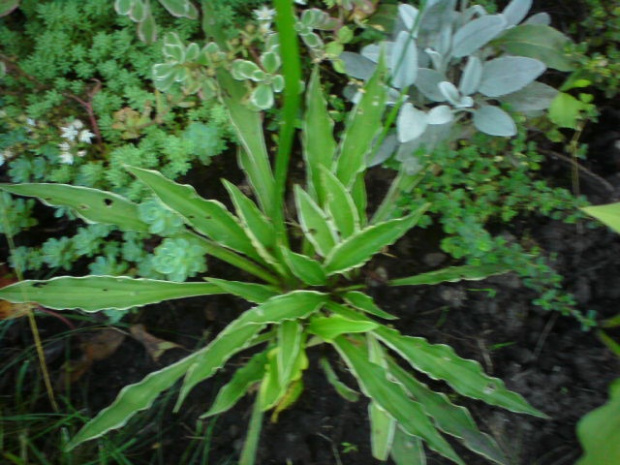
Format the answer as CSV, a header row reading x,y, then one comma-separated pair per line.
x,y
599,430
487,182
77,103
597,53
450,67
311,293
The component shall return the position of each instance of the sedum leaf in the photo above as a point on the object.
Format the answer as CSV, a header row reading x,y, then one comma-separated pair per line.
x,y
178,8
356,250
95,293
147,29
505,75
138,11
122,7
92,205
494,121
465,376
262,97
476,34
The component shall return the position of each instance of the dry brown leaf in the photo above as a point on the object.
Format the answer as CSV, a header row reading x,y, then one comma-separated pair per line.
x,y
9,310
153,345
99,346
102,344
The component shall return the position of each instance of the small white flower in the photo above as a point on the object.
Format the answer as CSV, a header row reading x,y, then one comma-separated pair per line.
x,y
300,2
69,132
2,159
66,158
77,124
265,14
85,136
64,146
31,122
81,153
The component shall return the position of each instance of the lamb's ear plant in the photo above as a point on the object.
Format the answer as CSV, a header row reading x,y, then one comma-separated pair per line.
x,y
304,294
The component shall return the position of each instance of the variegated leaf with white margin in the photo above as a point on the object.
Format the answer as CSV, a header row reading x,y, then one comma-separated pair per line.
x,y
92,205
317,229
464,376
96,293
375,383
356,250
291,306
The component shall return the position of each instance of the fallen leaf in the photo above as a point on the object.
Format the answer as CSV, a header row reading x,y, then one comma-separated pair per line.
x,y
153,345
99,346
102,344
9,310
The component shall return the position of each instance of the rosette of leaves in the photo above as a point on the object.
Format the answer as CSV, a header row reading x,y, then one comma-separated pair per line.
x,y
303,296
265,78
312,19
189,65
447,64
139,11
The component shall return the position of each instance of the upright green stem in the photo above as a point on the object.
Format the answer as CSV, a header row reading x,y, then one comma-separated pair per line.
x,y
291,69
248,454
